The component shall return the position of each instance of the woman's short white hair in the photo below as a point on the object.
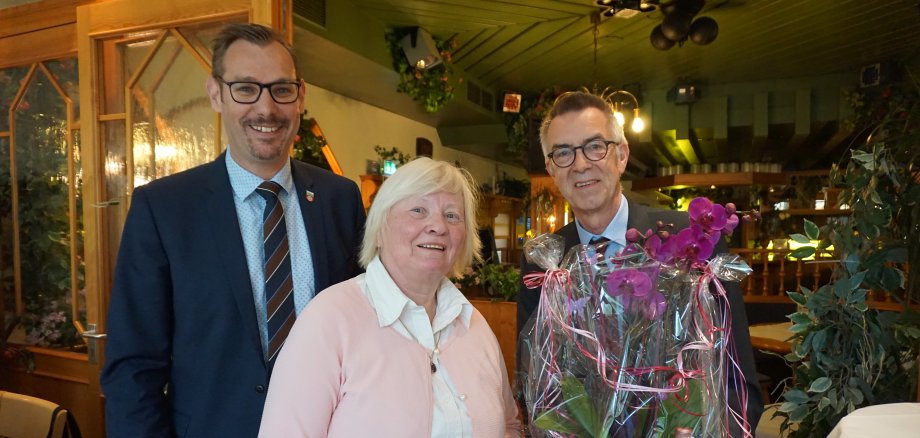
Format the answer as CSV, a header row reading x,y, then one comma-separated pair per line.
x,y
420,177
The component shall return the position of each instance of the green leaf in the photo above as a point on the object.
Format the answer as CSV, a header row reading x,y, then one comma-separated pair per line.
x,y
852,263
892,278
798,414
843,287
802,252
684,413
796,297
874,196
800,238
795,396
819,340
862,157
820,385
800,318
855,395
811,230
858,296
551,420
799,328
788,407
579,404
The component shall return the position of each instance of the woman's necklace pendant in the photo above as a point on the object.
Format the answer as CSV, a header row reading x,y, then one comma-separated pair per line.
x,y
434,368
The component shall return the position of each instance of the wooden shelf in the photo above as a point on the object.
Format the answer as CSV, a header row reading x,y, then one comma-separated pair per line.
x,y
809,212
813,212
709,179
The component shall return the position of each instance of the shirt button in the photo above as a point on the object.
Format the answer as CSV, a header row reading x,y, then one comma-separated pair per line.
x,y
436,351
260,389
462,397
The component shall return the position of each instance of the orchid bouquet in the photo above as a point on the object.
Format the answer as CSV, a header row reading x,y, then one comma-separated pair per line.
x,y
635,343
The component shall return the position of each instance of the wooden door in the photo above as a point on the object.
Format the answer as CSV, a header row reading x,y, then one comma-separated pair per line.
x,y
143,67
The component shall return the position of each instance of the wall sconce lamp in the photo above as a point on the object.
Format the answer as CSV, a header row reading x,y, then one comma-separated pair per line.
x,y
637,124
420,49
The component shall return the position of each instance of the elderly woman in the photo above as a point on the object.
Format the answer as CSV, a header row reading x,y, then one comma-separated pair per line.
x,y
398,351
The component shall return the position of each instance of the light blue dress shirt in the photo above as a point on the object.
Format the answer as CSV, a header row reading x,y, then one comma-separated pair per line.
x,y
249,209
615,231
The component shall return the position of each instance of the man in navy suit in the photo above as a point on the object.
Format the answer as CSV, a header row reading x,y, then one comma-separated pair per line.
x,y
188,347
586,154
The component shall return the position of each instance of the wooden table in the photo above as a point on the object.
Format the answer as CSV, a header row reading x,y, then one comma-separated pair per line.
x,y
772,337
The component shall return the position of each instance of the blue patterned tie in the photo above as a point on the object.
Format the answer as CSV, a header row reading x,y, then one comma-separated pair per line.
x,y
279,287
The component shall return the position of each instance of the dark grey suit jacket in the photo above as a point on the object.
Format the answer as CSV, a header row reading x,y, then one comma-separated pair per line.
x,y
643,218
182,311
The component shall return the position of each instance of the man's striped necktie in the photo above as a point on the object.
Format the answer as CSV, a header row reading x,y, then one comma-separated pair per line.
x,y
279,286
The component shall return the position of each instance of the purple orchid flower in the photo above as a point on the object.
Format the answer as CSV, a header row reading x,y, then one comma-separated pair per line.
x,y
628,283
711,217
635,290
689,244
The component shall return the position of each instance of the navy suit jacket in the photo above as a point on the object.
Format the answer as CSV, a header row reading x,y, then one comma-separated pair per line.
x,y
184,355
643,218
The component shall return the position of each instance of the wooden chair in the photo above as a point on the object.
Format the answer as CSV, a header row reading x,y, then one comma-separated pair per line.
x,y
23,416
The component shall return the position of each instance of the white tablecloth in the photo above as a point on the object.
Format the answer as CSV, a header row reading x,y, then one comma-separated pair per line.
x,y
895,420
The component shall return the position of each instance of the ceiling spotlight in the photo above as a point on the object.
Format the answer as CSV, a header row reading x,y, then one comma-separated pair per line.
x,y
678,25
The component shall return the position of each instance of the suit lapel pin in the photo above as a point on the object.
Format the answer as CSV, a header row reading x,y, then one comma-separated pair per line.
x,y
310,196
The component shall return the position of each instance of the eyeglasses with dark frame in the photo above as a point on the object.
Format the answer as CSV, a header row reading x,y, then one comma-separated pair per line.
x,y
247,92
594,150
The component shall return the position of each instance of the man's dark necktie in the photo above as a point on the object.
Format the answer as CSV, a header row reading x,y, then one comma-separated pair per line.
x,y
279,287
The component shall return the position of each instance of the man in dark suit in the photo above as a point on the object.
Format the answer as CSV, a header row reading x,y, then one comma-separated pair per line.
x,y
590,182
192,334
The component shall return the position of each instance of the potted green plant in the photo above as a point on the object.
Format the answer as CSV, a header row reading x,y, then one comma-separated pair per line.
x,y
501,281
845,353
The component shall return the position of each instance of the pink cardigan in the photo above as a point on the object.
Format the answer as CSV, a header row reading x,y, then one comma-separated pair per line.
x,y
342,375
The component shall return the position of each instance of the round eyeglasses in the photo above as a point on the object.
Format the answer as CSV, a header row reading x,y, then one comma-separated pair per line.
x,y
594,150
246,92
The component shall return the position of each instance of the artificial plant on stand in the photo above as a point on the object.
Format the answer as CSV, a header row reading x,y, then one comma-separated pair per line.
x,y
309,142
846,353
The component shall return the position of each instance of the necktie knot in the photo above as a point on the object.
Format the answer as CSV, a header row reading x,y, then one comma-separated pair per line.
x,y
598,239
268,190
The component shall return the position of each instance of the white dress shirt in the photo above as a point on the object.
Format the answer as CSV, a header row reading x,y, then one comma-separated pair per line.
x,y
394,309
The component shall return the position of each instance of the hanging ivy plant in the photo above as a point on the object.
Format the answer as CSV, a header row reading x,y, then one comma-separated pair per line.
x,y
432,87
533,109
